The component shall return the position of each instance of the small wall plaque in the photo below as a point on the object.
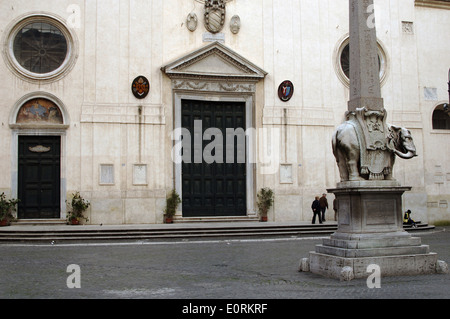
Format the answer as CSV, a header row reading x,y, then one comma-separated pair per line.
x,y
140,174
39,149
140,87
191,22
285,91
106,174
235,24
213,37
286,174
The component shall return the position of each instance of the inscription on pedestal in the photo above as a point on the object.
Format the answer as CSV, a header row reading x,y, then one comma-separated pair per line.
x,y
381,212
370,210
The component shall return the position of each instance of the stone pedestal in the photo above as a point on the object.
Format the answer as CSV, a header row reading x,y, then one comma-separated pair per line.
x,y
370,231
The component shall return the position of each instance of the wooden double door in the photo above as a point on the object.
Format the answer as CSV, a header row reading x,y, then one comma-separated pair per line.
x,y
39,177
217,188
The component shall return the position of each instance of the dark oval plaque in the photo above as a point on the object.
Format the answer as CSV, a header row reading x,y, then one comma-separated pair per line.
x,y
285,91
140,87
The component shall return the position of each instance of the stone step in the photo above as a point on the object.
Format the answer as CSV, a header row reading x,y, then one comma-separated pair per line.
x,y
218,219
371,252
381,242
115,237
420,226
165,232
37,222
51,232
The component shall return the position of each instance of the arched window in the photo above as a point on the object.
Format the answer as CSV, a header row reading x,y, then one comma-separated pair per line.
x,y
441,118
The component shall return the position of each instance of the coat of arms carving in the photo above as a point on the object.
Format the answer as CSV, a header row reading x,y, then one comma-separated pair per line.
x,y
140,87
215,15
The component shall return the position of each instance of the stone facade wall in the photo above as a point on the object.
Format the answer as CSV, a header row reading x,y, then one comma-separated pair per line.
x,y
114,41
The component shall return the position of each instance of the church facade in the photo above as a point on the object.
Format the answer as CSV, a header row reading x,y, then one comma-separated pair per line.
x,y
125,100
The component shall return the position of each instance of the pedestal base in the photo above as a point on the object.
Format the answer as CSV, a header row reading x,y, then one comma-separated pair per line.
x,y
370,232
401,265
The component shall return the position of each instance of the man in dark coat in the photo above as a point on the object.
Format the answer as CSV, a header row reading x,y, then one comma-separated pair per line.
x,y
323,205
316,210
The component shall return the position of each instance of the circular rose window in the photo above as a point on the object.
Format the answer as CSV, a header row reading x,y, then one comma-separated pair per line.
x,y
342,63
40,47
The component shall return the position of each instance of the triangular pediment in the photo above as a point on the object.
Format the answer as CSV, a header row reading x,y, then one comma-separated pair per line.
x,y
214,61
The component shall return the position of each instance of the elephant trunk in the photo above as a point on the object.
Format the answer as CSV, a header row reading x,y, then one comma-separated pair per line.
x,y
410,153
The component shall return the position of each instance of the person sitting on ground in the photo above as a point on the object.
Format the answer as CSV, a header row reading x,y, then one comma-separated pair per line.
x,y
408,220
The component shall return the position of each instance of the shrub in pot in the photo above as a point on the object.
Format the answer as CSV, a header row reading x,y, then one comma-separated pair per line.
x,y
7,209
172,202
77,206
265,201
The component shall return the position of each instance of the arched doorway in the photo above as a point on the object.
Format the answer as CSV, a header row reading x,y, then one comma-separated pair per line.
x,y
38,124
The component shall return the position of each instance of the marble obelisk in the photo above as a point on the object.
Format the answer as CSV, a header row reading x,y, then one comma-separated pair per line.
x,y
370,224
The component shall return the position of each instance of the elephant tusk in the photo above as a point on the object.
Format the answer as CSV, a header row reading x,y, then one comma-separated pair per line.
x,y
408,155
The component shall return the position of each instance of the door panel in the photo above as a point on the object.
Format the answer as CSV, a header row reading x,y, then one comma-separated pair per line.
x,y
39,177
216,189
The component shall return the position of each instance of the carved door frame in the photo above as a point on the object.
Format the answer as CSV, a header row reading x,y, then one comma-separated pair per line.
x,y
217,73
249,119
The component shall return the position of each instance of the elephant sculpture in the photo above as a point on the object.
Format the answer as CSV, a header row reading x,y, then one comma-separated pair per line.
x,y
361,156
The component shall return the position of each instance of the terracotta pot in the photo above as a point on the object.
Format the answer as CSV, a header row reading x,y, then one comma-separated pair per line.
x,y
74,221
264,218
4,222
169,220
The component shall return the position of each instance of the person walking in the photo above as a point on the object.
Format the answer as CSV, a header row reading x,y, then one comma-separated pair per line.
x,y
323,205
316,210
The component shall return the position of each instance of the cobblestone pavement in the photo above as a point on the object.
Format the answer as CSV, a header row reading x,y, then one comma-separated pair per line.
x,y
207,269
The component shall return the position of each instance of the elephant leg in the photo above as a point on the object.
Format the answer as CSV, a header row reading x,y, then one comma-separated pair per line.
x,y
342,165
390,176
353,172
353,165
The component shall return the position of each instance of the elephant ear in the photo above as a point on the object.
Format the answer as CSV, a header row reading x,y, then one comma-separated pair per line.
x,y
395,128
393,138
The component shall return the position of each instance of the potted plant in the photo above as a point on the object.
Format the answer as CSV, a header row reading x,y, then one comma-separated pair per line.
x,y
172,202
77,207
7,208
265,201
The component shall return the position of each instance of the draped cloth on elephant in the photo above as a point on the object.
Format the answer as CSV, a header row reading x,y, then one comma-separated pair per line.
x,y
372,132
